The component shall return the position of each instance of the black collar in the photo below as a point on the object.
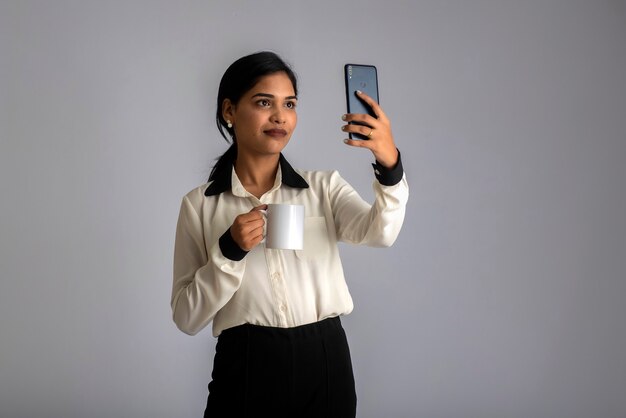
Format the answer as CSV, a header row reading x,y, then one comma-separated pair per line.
x,y
222,180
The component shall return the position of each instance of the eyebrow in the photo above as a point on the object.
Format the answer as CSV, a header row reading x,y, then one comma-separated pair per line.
x,y
271,96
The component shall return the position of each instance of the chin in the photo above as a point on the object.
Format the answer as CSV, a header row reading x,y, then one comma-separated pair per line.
x,y
278,145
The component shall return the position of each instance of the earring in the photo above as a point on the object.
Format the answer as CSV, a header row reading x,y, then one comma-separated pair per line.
x,y
229,124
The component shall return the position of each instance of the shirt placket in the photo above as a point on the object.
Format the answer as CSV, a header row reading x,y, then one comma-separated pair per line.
x,y
279,289
276,279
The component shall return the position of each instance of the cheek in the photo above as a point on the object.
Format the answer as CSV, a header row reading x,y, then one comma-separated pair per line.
x,y
251,120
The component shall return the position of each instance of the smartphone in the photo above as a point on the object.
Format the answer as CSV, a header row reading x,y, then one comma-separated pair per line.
x,y
365,79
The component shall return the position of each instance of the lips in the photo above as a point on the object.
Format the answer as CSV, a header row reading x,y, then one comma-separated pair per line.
x,y
276,133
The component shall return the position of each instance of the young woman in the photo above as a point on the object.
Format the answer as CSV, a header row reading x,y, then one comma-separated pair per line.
x,y
281,349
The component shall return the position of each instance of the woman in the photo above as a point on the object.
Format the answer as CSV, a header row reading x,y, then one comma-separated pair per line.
x,y
281,350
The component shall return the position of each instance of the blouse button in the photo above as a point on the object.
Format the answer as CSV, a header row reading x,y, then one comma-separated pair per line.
x,y
283,308
276,277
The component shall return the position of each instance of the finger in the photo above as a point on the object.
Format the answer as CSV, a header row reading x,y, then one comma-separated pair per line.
x,y
248,243
364,130
362,118
251,216
253,242
256,213
358,143
243,234
361,121
255,236
356,129
257,232
247,227
378,111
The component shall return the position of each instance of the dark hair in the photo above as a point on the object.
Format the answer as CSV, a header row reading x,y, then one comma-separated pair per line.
x,y
238,79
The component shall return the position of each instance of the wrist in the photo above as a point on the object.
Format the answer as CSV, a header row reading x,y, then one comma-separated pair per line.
x,y
388,161
229,247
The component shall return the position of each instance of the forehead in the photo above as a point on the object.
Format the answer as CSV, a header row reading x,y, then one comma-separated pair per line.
x,y
277,84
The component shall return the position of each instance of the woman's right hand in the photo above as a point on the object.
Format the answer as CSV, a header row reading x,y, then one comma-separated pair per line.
x,y
247,228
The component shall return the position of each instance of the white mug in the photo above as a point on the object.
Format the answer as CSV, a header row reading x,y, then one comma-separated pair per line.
x,y
284,226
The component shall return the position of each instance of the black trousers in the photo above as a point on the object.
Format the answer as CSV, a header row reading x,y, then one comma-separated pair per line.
x,y
301,372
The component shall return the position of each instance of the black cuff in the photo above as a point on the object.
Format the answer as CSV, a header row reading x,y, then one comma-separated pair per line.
x,y
389,176
230,248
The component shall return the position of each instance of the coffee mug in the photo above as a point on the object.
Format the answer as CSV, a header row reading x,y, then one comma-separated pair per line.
x,y
284,226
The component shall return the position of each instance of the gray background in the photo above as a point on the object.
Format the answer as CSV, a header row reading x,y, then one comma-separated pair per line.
x,y
503,296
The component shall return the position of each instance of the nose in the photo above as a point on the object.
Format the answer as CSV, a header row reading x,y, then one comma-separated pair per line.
x,y
278,116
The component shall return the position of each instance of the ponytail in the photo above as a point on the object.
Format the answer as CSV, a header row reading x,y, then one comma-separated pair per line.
x,y
226,161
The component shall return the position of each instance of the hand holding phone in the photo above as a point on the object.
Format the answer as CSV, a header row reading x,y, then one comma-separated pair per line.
x,y
365,118
362,78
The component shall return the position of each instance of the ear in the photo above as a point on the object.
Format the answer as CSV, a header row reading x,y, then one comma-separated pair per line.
x,y
228,110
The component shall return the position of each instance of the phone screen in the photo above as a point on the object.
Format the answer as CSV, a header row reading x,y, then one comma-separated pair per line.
x,y
365,79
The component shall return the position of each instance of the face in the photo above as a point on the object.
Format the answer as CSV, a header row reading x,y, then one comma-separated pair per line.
x,y
265,117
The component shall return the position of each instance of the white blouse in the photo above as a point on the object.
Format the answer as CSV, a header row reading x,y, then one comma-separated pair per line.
x,y
214,280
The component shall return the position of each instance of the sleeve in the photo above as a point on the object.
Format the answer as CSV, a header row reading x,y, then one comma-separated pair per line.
x,y
377,225
204,278
389,176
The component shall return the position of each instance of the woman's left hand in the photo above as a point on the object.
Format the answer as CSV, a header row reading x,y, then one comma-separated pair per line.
x,y
376,129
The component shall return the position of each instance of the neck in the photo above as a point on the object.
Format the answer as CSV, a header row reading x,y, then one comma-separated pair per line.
x,y
257,174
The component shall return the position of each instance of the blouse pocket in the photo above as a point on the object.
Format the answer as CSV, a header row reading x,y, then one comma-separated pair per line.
x,y
316,243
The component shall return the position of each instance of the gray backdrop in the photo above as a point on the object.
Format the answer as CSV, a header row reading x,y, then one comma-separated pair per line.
x,y
501,298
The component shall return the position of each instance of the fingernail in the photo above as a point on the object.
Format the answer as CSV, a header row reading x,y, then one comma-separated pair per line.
x,y
344,117
343,128
359,92
345,141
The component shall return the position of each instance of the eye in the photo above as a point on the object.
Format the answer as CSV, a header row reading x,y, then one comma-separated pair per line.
x,y
263,103
290,105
